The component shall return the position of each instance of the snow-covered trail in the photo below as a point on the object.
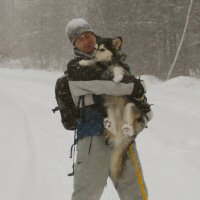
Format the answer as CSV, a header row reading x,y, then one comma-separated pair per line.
x,y
31,147
170,147
34,147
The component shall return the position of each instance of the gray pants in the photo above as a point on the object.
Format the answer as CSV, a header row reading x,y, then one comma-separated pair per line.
x,y
92,171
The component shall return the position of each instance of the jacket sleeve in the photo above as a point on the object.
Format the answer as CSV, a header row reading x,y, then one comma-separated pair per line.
x,y
99,87
86,80
76,72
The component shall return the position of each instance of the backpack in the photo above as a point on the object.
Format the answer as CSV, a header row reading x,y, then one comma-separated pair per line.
x,y
66,106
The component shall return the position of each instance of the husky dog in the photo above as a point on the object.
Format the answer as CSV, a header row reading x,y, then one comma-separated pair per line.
x,y
123,117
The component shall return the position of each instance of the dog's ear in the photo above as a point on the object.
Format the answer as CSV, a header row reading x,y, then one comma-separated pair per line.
x,y
117,43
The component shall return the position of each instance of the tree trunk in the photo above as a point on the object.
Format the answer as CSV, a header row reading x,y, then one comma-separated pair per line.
x,y
181,41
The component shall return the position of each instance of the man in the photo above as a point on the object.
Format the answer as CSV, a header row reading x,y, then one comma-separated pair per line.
x,y
93,155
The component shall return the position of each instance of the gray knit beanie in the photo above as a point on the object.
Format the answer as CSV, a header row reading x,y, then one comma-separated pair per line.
x,y
76,27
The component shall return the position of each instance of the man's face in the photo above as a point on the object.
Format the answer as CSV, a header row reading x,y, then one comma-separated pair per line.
x,y
86,42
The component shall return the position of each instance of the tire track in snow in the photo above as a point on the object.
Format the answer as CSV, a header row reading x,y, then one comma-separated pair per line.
x,y
23,129
19,100
32,102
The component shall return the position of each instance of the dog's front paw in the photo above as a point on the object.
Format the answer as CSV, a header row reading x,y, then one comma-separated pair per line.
x,y
118,78
83,62
118,73
87,62
127,130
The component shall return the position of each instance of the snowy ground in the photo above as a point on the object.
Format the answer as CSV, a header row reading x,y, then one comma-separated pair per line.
x,y
34,147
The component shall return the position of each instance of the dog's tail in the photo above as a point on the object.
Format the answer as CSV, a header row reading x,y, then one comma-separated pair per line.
x,y
117,160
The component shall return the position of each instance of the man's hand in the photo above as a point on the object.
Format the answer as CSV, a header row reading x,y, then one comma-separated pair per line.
x,y
144,107
139,89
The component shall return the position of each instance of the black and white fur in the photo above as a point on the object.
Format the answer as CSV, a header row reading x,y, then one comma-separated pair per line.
x,y
122,123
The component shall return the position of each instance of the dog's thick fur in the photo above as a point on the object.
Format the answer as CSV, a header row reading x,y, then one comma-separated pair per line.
x,y
122,123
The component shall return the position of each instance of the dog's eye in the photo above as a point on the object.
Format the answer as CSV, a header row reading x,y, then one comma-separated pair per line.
x,y
101,50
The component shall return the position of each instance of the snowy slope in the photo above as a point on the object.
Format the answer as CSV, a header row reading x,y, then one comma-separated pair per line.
x,y
34,147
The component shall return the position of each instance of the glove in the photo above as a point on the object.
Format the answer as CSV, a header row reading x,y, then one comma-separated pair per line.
x,y
144,107
139,89
146,112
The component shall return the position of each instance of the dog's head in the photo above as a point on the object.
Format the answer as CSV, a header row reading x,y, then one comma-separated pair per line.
x,y
107,48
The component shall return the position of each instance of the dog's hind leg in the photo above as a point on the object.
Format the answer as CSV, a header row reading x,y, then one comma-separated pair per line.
x,y
110,121
127,128
107,124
